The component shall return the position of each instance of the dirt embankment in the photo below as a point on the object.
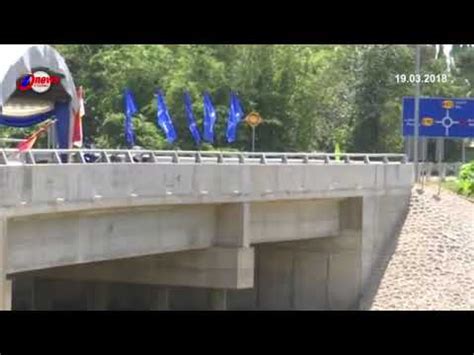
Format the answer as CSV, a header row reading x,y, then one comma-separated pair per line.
x,y
432,267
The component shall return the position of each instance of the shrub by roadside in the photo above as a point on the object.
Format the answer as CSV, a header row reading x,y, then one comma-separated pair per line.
x,y
465,181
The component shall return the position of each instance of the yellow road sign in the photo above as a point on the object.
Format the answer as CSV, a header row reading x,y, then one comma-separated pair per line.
x,y
448,104
253,119
427,121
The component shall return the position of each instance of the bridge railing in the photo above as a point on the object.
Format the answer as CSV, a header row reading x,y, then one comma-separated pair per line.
x,y
110,156
441,171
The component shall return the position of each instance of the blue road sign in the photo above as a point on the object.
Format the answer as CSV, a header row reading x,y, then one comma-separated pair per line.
x,y
439,117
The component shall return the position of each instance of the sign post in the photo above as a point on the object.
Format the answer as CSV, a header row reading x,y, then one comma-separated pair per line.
x,y
463,151
253,138
417,111
253,119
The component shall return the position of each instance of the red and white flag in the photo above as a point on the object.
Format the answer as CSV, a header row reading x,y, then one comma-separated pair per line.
x,y
29,142
77,136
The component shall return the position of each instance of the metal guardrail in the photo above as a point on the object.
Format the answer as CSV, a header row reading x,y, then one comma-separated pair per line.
x,y
111,156
440,170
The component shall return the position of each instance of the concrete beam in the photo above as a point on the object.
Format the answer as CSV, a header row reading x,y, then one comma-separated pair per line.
x,y
218,267
27,190
288,220
67,239
233,225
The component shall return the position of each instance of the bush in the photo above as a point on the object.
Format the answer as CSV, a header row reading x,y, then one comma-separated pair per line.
x,y
466,179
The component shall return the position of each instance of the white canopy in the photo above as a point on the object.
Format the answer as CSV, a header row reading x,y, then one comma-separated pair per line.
x,y
19,60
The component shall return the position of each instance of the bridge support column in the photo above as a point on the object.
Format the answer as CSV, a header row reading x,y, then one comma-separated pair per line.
x,y
218,299
318,273
98,297
348,263
23,289
321,273
5,284
160,299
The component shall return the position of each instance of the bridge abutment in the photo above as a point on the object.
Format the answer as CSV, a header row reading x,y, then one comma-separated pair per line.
x,y
5,283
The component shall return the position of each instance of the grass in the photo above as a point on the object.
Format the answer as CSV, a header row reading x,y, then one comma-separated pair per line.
x,y
450,185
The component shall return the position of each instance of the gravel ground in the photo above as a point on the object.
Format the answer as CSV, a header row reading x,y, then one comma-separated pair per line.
x,y
432,265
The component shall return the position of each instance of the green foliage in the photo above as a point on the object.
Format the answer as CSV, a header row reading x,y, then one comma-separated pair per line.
x,y
146,134
466,179
22,133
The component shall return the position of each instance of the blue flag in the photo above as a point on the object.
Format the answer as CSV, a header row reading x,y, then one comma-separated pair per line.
x,y
235,116
163,119
209,119
130,110
191,119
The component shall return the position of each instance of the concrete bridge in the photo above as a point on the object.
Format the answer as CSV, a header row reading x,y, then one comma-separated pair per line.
x,y
109,229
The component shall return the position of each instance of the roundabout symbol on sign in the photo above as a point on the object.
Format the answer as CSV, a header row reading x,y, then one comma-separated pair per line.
x,y
447,121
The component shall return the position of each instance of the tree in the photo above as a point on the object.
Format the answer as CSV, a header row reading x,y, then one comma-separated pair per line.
x,y
311,97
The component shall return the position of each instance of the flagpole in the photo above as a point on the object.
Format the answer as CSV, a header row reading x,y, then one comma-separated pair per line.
x,y
52,136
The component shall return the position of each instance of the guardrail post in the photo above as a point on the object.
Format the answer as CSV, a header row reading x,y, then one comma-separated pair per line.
x,y
306,159
241,158
263,160
198,157
152,157
457,168
175,158
58,158
82,158
326,159
347,159
4,158
29,155
284,159
106,157
385,159
220,158
443,171
366,159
